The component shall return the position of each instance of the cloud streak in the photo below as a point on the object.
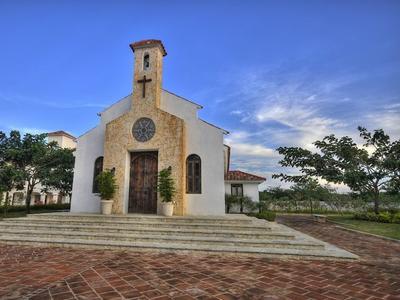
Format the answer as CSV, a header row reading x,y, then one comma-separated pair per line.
x,y
295,108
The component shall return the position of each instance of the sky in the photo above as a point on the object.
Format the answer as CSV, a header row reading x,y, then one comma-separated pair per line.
x,y
272,73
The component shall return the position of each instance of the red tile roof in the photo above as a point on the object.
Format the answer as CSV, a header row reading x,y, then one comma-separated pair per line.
x,y
145,43
61,132
242,176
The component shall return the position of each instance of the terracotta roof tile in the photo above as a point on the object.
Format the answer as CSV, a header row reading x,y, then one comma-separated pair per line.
x,y
242,176
144,43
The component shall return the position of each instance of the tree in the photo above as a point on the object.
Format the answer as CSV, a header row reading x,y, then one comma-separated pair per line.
x,y
341,160
60,177
36,161
309,191
10,177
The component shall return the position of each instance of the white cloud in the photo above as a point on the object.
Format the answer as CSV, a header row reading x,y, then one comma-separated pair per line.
x,y
247,149
284,108
242,145
386,118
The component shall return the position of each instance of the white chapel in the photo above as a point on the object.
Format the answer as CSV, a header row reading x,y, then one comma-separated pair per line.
x,y
147,131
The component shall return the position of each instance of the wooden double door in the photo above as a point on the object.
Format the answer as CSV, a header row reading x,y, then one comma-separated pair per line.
x,y
143,182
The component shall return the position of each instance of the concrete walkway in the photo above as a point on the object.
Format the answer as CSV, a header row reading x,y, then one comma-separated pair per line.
x,y
63,273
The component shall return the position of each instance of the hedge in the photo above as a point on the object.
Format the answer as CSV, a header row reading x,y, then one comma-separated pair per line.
x,y
382,217
266,215
55,206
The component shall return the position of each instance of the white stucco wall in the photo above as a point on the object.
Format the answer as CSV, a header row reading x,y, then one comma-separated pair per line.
x,y
202,139
62,141
250,189
89,147
206,141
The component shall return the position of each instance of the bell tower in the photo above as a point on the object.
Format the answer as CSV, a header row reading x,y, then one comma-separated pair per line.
x,y
147,77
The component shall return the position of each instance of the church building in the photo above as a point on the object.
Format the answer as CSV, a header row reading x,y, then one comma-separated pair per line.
x,y
147,131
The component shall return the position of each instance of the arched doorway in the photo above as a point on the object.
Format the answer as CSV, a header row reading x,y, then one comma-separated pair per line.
x,y
143,183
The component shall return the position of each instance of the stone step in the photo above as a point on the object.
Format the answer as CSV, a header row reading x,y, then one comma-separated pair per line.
x,y
257,227
205,240
229,219
179,247
62,227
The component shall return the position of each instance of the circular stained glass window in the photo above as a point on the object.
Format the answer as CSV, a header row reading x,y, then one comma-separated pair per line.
x,y
143,129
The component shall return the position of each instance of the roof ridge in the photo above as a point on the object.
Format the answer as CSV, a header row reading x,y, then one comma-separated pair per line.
x,y
246,173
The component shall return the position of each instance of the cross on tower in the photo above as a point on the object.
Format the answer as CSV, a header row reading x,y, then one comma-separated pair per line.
x,y
144,80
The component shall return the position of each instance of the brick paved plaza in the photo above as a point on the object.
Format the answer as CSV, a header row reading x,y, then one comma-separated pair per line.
x,y
61,273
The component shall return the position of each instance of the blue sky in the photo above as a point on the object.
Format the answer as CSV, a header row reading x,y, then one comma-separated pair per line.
x,y
271,72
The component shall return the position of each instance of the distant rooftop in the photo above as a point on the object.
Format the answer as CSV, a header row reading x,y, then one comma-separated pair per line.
x,y
242,176
61,133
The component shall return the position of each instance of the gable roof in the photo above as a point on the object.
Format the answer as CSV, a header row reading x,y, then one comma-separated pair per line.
x,y
237,175
146,43
183,98
223,130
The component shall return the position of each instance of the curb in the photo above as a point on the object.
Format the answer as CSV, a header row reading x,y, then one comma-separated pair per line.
x,y
340,226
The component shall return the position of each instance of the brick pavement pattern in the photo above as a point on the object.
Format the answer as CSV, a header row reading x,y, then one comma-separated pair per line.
x,y
62,273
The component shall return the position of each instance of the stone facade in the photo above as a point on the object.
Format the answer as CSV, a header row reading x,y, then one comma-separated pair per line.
x,y
168,139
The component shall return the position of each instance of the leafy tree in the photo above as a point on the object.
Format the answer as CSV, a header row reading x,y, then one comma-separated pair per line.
x,y
341,160
9,178
60,177
106,184
35,159
310,191
166,185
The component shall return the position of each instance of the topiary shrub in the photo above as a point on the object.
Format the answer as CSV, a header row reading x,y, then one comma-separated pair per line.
x,y
106,184
166,185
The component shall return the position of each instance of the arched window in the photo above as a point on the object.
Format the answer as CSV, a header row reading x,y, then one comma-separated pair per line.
x,y
146,61
98,168
193,174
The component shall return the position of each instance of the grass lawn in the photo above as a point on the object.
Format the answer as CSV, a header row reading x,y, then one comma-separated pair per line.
x,y
383,229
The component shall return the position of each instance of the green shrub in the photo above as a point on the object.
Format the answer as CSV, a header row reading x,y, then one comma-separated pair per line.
x,y
382,217
241,202
230,200
266,215
49,207
166,185
106,184
396,218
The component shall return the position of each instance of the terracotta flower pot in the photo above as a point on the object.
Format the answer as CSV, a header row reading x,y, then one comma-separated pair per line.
x,y
167,209
106,207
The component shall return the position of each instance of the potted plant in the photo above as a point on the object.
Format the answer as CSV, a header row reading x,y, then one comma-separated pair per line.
x,y
166,188
107,189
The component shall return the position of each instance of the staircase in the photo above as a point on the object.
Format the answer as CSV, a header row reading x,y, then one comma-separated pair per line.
x,y
235,234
